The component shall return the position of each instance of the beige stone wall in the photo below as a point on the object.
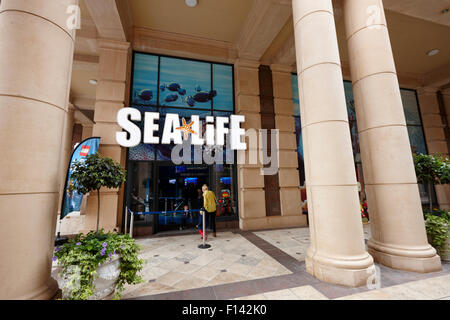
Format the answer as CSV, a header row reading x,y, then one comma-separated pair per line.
x,y
111,96
289,179
251,195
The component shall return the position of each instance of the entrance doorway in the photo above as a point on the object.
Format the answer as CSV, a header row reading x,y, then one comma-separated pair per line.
x,y
165,197
180,196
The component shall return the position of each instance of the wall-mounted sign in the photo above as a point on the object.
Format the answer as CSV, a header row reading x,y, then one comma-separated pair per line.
x,y
174,129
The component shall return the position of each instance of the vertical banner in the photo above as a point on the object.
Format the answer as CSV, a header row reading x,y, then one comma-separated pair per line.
x,y
71,202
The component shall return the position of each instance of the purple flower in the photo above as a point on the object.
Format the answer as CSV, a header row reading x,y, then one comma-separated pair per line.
x,y
54,259
110,259
104,244
122,247
78,243
110,255
58,249
102,253
114,253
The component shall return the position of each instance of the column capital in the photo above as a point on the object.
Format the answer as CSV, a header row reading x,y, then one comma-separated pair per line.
x,y
113,44
247,63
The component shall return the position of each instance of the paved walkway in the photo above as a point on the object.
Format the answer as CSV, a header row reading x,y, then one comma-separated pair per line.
x,y
260,265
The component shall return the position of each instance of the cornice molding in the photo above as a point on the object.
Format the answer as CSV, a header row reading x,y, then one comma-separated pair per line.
x,y
113,44
160,42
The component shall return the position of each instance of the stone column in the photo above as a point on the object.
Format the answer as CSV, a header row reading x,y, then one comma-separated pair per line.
x,y
111,96
337,253
289,179
36,52
86,132
434,135
252,207
398,233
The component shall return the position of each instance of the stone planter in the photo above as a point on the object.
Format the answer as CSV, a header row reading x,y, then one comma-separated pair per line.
x,y
105,284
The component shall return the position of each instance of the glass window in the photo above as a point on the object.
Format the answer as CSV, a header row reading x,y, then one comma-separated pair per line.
x,y
295,95
185,83
140,190
411,107
224,188
223,86
145,80
182,86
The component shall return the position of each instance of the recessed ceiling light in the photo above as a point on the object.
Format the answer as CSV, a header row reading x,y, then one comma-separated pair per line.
x,y
93,82
433,52
191,3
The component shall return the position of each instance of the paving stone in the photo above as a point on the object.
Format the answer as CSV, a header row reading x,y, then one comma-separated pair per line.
x,y
248,261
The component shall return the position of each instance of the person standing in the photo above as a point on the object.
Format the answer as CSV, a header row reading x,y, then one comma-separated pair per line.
x,y
209,204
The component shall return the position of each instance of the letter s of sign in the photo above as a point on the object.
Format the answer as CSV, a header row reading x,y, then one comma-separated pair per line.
x,y
130,127
73,22
374,19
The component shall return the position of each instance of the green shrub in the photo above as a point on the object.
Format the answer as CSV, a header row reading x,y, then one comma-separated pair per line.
x,y
437,231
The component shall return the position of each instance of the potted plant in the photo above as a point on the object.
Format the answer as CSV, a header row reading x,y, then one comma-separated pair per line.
x,y
92,266
431,170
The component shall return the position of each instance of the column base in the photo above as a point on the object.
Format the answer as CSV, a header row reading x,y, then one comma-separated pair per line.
x,y
47,292
349,273
423,261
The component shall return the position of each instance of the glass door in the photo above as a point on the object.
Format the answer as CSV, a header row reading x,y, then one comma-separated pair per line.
x,y
179,195
141,191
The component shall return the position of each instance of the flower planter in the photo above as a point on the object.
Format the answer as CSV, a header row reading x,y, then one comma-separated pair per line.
x,y
105,283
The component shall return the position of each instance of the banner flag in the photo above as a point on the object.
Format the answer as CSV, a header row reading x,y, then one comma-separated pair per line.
x,y
71,202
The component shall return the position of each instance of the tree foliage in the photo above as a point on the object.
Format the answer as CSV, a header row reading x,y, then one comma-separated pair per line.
x,y
94,173
434,169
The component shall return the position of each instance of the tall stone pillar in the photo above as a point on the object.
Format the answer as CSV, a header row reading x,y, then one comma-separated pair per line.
x,y
34,97
435,135
289,178
398,233
337,253
111,96
252,207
